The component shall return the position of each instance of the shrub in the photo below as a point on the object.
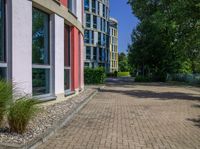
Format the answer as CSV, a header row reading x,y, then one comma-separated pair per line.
x,y
5,97
159,77
187,78
142,79
94,76
112,74
123,74
20,113
115,73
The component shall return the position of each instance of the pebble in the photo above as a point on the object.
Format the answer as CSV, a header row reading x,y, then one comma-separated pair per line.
x,y
44,120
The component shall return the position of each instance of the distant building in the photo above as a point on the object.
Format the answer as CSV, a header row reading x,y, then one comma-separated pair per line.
x,y
113,45
96,33
41,46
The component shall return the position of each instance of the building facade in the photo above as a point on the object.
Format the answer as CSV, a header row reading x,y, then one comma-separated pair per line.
x,y
42,46
96,35
113,45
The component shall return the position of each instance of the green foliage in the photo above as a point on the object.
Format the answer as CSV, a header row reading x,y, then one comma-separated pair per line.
x,y
5,97
123,74
187,78
115,74
112,74
20,113
167,38
142,79
94,76
123,62
186,67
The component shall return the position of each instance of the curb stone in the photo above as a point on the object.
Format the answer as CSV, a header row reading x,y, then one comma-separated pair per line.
x,y
51,131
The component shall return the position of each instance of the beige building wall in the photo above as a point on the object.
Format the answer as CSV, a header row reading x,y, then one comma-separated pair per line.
x,y
113,45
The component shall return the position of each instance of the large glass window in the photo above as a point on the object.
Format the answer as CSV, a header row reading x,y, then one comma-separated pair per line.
x,y
104,10
94,53
94,6
88,53
86,5
3,65
72,6
40,53
86,64
101,24
92,37
99,38
100,54
67,59
104,40
87,36
98,5
88,20
95,22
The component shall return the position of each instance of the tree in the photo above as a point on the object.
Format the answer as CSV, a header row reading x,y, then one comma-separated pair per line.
x,y
166,37
123,62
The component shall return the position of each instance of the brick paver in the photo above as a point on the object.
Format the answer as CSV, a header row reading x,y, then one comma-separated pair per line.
x,y
134,117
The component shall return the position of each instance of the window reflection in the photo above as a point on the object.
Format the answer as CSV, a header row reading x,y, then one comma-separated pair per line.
x,y
41,81
40,37
40,53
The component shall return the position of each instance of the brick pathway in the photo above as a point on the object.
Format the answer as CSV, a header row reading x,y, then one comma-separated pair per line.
x,y
134,117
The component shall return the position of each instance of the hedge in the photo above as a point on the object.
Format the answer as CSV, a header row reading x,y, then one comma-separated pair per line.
x,y
123,74
187,78
94,75
112,74
142,79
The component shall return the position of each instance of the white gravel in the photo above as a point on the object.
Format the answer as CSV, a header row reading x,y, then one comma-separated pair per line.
x,y
48,116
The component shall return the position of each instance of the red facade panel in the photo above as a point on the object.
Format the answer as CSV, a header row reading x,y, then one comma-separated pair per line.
x,y
64,2
75,58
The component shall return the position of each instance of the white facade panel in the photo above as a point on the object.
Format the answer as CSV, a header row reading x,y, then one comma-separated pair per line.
x,y
22,44
59,53
82,61
79,9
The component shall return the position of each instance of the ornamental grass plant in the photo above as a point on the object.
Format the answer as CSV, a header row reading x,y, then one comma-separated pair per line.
x,y
20,113
6,94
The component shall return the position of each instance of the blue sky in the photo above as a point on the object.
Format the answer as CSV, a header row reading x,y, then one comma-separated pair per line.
x,y
120,10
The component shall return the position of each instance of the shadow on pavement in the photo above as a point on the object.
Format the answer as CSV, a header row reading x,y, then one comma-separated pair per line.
x,y
196,121
160,96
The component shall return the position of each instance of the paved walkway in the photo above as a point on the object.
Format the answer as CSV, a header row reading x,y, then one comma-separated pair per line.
x,y
139,116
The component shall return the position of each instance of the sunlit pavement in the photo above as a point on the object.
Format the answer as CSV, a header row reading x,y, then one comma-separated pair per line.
x,y
137,116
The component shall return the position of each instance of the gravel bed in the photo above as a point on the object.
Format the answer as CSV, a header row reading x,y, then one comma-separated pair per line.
x,y
48,116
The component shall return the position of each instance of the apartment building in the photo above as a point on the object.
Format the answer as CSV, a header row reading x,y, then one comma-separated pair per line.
x,y
96,35
42,46
113,45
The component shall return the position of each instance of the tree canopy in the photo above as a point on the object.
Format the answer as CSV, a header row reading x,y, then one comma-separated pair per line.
x,y
123,62
167,39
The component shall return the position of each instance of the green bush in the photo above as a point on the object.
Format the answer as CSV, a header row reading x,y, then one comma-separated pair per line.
x,y
94,76
187,78
5,97
123,74
142,79
115,73
112,74
20,113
